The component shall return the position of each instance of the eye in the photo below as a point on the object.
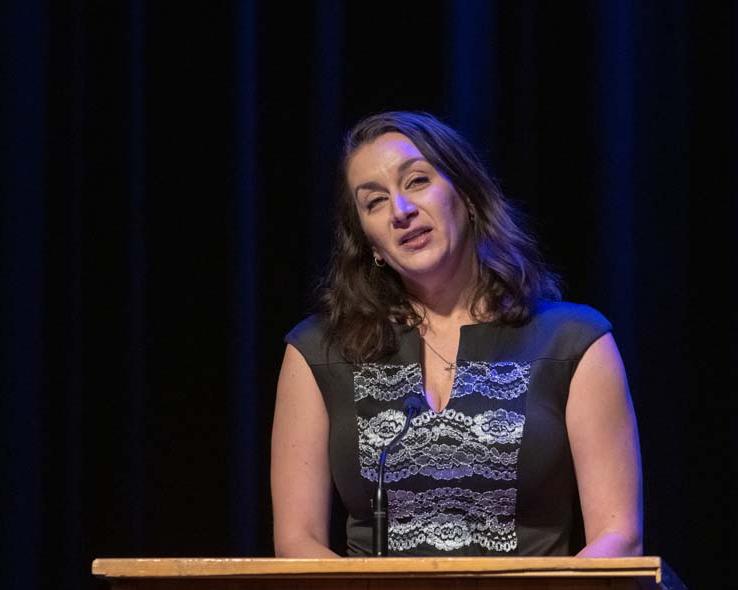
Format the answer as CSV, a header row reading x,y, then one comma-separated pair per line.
x,y
417,181
374,201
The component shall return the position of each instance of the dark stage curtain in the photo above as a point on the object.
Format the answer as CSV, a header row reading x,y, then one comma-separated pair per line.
x,y
167,172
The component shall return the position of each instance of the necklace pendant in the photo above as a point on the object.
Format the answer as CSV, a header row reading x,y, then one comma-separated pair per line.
x,y
450,367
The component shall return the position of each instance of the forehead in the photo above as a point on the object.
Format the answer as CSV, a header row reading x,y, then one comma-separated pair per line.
x,y
381,157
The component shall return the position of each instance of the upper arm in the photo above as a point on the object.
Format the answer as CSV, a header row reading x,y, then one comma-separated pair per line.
x,y
604,443
300,470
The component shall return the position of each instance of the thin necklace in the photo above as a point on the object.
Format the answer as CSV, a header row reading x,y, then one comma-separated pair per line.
x,y
449,365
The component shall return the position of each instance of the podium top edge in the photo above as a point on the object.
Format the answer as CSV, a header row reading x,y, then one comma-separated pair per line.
x,y
649,566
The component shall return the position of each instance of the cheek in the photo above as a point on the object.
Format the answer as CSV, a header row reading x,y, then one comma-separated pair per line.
x,y
371,232
456,215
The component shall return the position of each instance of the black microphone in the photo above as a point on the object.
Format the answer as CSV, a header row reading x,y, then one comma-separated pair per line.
x,y
411,408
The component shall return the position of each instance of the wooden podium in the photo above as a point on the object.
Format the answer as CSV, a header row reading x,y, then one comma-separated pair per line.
x,y
390,573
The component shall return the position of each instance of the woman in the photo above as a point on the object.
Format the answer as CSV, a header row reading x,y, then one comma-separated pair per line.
x,y
436,292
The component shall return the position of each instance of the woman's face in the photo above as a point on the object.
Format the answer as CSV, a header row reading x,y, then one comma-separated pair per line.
x,y
409,211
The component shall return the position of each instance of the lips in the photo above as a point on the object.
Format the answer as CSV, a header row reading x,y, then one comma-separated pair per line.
x,y
413,235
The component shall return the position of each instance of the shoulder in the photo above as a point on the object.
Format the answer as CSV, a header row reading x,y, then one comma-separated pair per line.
x,y
311,327
568,328
566,315
309,337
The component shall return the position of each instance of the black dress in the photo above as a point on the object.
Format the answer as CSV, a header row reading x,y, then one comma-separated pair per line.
x,y
492,473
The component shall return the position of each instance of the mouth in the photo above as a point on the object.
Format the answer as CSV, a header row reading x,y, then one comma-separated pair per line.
x,y
416,238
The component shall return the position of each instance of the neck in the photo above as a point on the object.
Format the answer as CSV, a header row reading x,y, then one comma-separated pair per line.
x,y
446,297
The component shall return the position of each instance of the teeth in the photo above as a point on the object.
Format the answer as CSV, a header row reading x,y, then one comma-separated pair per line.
x,y
414,235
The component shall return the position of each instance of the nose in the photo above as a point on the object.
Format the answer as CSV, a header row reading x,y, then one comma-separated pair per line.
x,y
403,209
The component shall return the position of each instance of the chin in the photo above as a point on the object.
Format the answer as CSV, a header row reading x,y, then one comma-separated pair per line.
x,y
417,272
423,264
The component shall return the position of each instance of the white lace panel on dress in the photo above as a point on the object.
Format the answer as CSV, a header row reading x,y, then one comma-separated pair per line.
x,y
452,482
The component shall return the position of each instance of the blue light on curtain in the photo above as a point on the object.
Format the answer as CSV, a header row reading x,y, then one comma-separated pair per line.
x,y
471,69
325,125
615,135
246,397
22,223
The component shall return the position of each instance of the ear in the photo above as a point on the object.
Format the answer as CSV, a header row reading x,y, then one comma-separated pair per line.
x,y
472,210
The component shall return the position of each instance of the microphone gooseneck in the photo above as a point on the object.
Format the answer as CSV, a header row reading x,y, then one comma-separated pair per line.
x,y
380,512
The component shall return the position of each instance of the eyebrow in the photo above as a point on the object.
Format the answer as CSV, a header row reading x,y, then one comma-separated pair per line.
x,y
371,185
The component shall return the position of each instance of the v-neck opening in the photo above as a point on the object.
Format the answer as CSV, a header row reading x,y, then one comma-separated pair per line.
x,y
412,352
421,363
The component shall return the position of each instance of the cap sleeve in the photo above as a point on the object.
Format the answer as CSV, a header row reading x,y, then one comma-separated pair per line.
x,y
588,325
566,330
308,337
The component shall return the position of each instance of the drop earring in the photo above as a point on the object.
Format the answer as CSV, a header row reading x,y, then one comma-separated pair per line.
x,y
472,214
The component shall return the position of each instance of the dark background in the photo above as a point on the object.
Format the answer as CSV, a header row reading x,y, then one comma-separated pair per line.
x,y
167,174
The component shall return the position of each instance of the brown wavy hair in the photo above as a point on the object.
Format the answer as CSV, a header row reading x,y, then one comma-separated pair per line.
x,y
363,303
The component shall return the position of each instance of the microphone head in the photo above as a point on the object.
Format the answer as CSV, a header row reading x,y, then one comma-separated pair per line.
x,y
413,405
